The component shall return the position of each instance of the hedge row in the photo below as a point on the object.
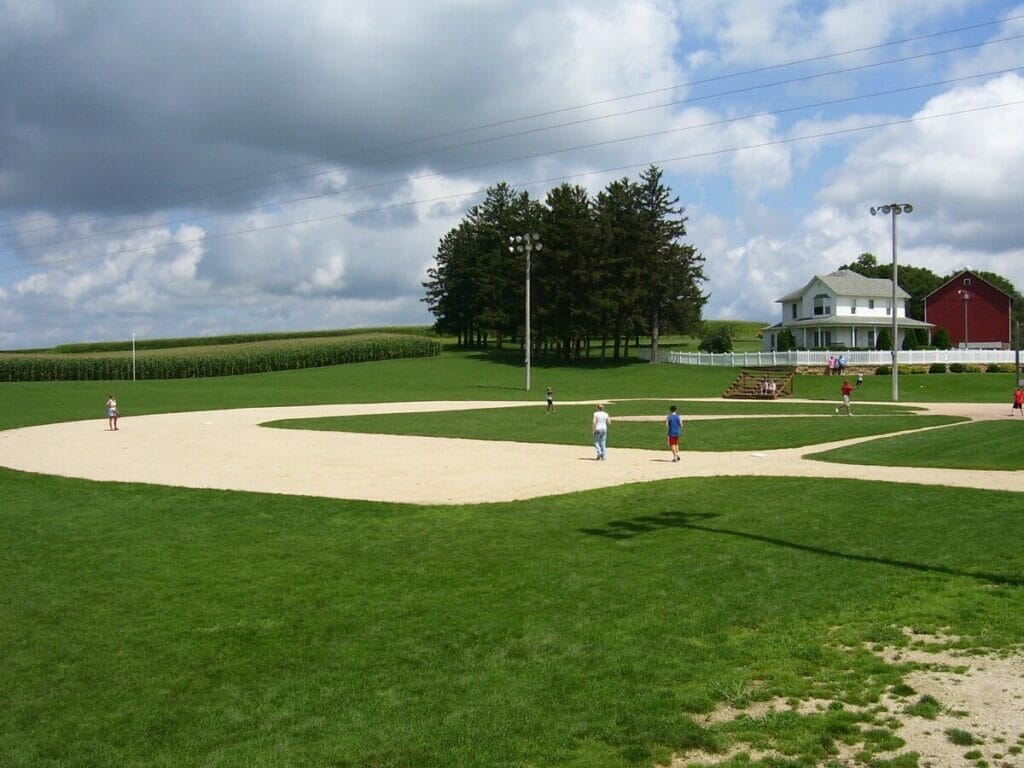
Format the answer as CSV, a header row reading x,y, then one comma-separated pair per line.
x,y
886,370
237,338
219,360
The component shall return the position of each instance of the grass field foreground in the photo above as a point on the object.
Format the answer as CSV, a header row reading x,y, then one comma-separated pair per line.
x,y
144,625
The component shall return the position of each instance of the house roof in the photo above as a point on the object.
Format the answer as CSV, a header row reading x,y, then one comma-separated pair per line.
x,y
973,276
846,321
846,282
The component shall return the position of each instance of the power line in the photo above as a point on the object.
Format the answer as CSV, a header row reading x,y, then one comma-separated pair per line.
x,y
550,180
562,110
477,166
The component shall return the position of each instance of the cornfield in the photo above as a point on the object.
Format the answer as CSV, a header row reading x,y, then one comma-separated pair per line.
x,y
221,359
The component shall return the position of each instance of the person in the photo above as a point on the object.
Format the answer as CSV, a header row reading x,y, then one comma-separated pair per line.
x,y
112,412
674,426
599,426
846,389
773,388
550,396
841,365
860,380
831,364
1018,401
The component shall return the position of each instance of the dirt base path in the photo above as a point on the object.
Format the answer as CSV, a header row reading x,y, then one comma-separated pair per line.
x,y
230,450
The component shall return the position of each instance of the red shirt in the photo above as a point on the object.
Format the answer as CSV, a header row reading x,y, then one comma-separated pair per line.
x,y
847,388
1018,397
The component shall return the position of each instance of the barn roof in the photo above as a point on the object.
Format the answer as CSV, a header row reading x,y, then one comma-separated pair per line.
x,y
974,276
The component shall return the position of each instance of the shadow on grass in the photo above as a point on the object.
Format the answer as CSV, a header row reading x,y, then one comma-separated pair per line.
x,y
618,530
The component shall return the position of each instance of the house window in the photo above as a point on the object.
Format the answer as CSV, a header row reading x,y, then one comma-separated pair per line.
x,y
822,304
794,311
822,338
853,307
871,303
872,340
967,282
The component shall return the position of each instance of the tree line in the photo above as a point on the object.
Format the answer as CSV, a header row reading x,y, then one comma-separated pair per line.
x,y
611,268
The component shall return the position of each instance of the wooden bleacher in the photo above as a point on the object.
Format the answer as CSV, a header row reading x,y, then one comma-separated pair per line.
x,y
748,385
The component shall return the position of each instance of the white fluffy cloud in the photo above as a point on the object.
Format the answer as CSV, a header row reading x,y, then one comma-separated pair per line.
x,y
202,168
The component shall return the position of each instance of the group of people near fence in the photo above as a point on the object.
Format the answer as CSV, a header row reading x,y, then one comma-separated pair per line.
x,y
836,366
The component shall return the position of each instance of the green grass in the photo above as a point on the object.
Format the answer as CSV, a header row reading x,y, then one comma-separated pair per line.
x,y
571,424
980,445
167,627
144,625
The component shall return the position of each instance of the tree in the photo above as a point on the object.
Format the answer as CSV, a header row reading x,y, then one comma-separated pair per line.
x,y
884,339
564,273
941,339
917,281
786,342
715,337
669,285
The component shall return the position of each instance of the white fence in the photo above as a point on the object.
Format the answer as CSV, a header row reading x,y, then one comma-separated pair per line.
x,y
820,358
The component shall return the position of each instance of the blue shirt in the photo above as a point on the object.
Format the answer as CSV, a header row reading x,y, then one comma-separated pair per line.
x,y
675,425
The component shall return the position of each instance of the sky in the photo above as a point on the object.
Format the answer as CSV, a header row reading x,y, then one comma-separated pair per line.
x,y
199,168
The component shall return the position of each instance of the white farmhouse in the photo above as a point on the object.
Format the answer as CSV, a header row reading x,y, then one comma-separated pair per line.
x,y
841,310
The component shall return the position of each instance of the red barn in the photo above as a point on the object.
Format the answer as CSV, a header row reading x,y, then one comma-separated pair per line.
x,y
974,312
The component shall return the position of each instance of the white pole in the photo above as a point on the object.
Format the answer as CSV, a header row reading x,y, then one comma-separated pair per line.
x,y
895,326
133,355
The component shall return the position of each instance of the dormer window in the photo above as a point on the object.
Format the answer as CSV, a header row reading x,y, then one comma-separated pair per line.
x,y
822,304
967,282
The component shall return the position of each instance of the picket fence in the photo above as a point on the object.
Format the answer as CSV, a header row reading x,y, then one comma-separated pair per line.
x,y
820,357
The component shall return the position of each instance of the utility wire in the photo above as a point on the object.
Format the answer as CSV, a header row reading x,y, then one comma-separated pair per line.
x,y
478,166
562,110
535,182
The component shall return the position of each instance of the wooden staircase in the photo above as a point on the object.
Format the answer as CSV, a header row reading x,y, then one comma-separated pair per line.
x,y
750,384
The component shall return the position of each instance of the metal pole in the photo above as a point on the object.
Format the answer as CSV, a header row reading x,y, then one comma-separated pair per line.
x,y
894,210
895,326
526,244
528,249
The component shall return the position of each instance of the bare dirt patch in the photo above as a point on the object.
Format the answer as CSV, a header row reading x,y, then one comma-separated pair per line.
x,y
973,710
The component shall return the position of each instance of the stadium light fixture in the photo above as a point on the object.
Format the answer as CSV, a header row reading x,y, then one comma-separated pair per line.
x,y
894,210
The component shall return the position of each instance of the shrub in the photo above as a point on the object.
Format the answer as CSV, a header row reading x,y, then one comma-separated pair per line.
x,y
957,367
941,339
916,369
937,368
883,370
716,338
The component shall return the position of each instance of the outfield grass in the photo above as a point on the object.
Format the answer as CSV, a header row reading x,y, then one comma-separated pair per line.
x,y
981,445
144,625
571,424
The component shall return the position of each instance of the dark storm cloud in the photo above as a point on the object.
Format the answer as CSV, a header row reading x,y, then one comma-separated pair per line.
x,y
114,110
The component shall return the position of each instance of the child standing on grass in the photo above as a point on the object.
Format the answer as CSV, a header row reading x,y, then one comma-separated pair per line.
x,y
1018,401
550,396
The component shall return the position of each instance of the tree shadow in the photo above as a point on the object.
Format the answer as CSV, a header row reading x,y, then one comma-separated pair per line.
x,y
619,530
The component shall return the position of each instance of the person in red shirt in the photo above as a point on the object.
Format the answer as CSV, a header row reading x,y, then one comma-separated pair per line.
x,y
1018,402
846,390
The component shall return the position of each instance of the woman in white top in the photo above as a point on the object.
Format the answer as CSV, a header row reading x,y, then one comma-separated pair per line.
x,y
599,426
112,412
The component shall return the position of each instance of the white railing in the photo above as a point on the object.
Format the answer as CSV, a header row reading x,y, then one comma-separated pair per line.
x,y
820,358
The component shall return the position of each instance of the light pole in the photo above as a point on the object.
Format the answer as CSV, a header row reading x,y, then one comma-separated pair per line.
x,y
894,209
527,244
966,295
